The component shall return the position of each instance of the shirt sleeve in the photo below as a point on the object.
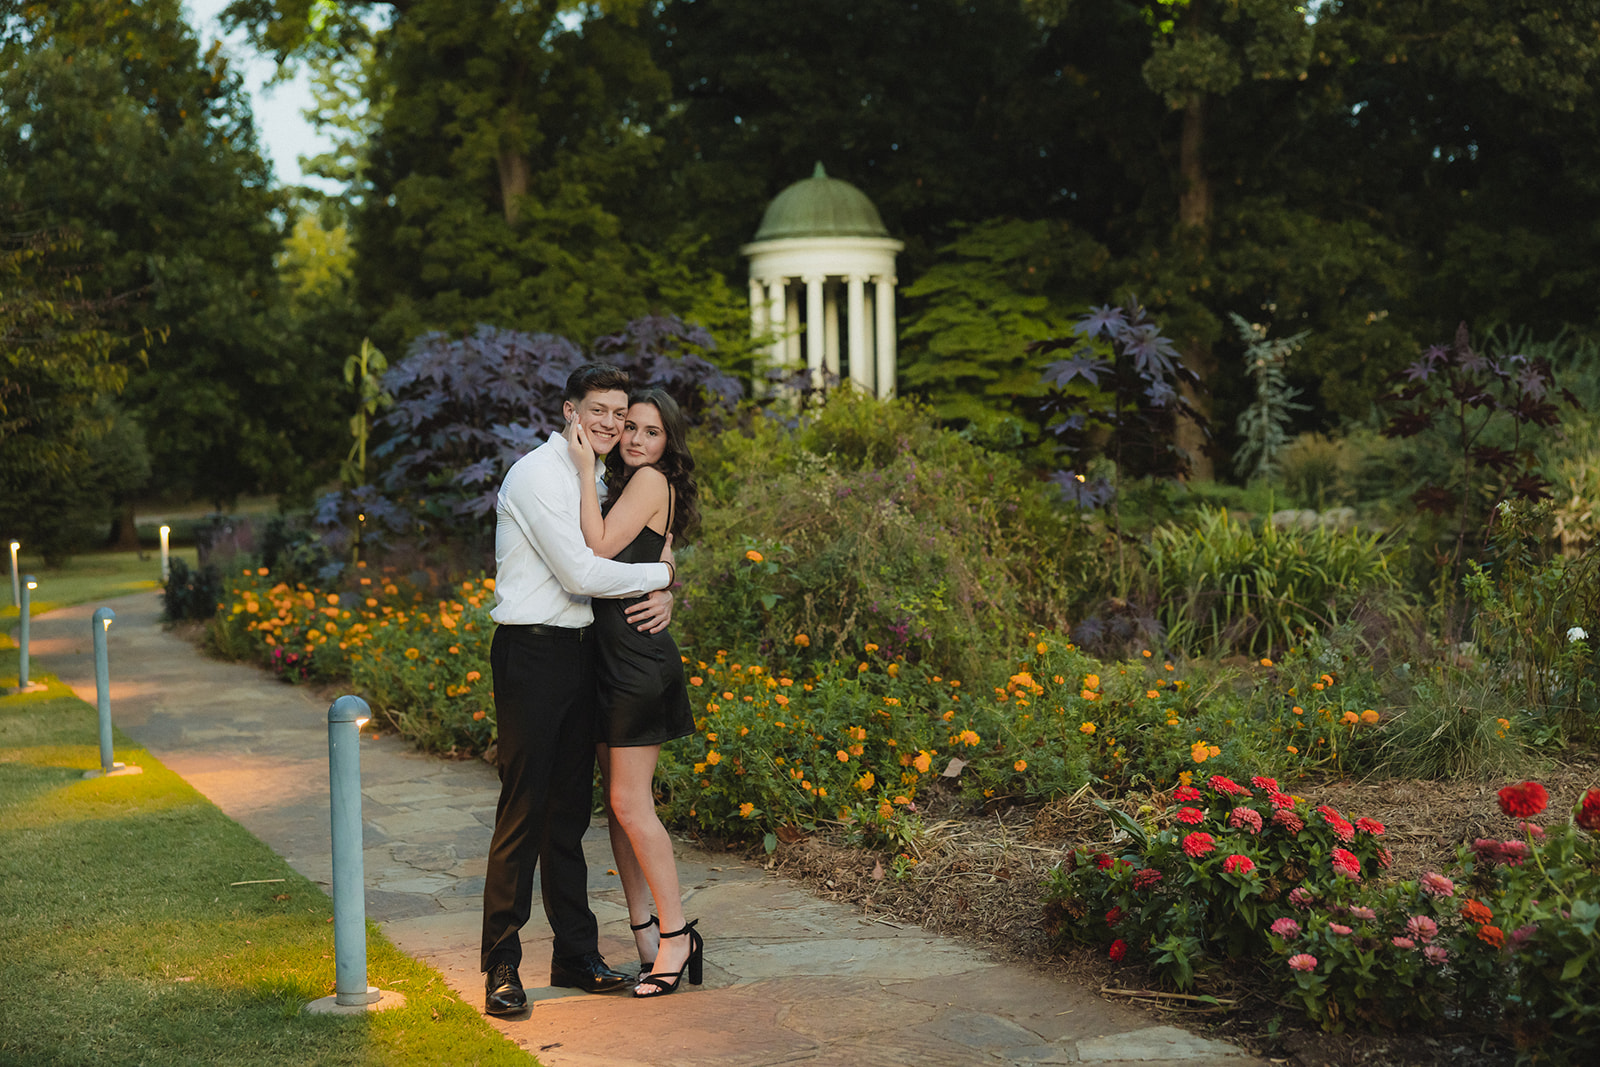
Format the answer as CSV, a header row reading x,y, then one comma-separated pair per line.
x,y
547,513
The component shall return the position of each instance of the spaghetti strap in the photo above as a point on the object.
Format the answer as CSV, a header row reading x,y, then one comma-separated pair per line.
x,y
672,496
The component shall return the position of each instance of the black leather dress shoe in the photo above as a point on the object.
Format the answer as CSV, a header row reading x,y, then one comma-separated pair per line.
x,y
588,973
503,993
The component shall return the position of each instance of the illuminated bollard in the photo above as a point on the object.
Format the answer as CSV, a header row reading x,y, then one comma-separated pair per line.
x,y
29,584
101,622
166,564
16,593
350,990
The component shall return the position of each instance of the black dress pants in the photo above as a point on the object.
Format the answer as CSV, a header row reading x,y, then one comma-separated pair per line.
x,y
544,705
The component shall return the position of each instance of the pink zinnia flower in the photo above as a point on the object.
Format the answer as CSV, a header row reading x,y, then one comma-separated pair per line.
x,y
1191,816
1521,935
1245,819
1514,852
1300,897
1370,826
1288,820
1224,784
1281,800
1532,829
1302,961
1339,928
1197,844
1286,928
1237,864
1363,913
1403,942
1346,863
1186,792
1261,781
1422,928
1437,885
1435,954
1385,858
1341,829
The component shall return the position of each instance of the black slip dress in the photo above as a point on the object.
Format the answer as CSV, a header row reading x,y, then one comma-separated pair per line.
x,y
642,696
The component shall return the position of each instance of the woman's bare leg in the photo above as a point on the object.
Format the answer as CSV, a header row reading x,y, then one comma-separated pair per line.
x,y
634,886
634,805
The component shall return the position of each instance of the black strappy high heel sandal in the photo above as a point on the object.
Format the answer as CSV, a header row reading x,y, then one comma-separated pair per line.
x,y
693,968
644,967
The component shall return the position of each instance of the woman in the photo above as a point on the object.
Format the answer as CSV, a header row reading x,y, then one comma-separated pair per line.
x,y
643,702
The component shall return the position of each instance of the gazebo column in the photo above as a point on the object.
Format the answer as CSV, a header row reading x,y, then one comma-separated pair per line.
x,y
775,320
816,333
860,370
887,369
791,337
830,327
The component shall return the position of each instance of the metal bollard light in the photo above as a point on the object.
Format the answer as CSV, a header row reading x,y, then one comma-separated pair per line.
x,y
345,719
29,583
102,685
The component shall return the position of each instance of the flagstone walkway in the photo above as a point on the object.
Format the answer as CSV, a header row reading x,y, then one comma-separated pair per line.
x,y
789,978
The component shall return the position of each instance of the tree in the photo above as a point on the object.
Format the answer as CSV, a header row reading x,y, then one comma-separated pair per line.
x,y
113,122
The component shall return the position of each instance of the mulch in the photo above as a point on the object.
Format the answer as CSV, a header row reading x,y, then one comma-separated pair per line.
x,y
980,876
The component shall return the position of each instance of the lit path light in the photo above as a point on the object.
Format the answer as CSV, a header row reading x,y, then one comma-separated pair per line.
x,y
351,994
103,617
29,584
16,592
166,565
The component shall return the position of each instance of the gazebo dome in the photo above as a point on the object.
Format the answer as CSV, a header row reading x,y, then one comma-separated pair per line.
x,y
820,206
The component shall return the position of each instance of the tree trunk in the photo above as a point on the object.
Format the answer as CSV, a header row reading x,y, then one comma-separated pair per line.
x,y
513,183
125,535
1194,213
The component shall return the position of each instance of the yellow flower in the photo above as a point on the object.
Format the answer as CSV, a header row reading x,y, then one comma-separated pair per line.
x,y
1200,751
967,737
1185,777
699,768
412,653
713,758
1092,682
902,800
865,782
922,761
1087,728
1041,648
1369,717
1020,766
747,809
822,791
893,702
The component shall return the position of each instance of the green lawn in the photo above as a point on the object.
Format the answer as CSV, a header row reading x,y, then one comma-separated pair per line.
x,y
86,578
123,942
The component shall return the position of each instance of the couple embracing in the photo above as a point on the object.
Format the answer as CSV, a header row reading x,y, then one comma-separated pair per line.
x,y
585,671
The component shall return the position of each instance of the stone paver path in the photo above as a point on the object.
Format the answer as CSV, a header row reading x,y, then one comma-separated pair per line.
x,y
789,978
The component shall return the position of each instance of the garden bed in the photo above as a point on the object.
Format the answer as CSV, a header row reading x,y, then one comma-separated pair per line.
x,y
981,877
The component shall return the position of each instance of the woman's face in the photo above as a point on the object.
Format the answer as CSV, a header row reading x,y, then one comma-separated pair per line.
x,y
644,439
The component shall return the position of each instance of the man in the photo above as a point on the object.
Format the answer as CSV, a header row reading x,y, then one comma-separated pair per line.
x,y
543,664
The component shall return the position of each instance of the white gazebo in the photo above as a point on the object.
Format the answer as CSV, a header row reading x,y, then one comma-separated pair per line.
x,y
818,237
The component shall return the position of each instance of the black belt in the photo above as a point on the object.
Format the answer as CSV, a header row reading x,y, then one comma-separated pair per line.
x,y
566,633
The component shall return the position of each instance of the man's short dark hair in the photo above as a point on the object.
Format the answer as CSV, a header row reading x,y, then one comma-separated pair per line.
x,y
594,378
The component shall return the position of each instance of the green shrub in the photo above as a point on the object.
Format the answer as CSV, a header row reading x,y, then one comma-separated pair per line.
x,y
871,524
1225,587
190,593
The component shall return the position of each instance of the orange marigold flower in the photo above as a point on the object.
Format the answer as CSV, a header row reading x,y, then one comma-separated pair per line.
x,y
1349,718
747,809
1020,766
1087,728
413,653
967,737
923,760
477,716
473,676
713,758
1092,682
844,757
753,556
802,640
1476,913
1491,936
782,700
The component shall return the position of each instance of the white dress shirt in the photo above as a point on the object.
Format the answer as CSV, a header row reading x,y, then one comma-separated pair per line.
x,y
544,572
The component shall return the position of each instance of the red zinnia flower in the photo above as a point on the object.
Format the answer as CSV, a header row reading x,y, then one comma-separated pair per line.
x,y
1186,792
1475,913
1146,878
1491,935
1223,784
1197,844
1237,864
1346,863
1263,782
1288,820
1521,801
1191,816
1101,860
1113,916
1588,815
1118,949
1370,826
1281,800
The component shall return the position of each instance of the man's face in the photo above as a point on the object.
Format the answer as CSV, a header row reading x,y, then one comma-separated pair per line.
x,y
601,413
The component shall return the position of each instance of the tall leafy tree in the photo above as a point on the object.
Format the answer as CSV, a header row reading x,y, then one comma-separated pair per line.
x,y
114,122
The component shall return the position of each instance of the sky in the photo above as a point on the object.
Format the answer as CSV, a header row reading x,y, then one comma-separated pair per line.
x,y
284,133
